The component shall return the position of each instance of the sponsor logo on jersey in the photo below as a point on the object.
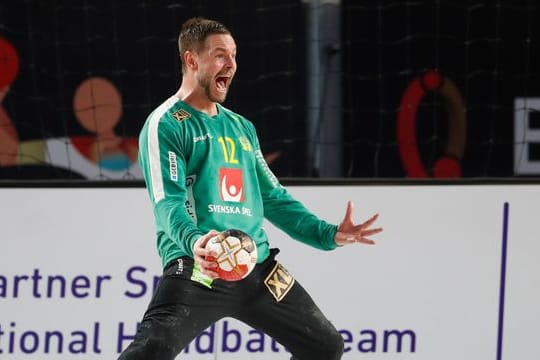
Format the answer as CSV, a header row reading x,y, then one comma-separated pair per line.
x,y
180,267
231,185
229,209
181,115
246,145
190,200
269,174
203,137
173,167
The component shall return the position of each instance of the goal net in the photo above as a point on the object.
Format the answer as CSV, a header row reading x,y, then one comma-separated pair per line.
x,y
416,89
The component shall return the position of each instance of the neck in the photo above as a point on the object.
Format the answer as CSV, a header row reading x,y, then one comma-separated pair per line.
x,y
194,96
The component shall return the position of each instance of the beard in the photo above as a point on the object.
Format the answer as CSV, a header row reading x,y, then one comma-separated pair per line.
x,y
206,84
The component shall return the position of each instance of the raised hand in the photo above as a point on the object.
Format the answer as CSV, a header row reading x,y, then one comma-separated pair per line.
x,y
350,233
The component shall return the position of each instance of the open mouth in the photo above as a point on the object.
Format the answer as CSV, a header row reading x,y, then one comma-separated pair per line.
x,y
222,82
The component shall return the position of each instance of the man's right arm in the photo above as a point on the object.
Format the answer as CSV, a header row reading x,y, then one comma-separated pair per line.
x,y
163,163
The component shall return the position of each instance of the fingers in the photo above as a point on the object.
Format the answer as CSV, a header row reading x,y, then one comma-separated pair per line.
x,y
364,228
363,233
371,232
342,239
362,239
370,221
209,269
208,266
204,239
357,233
205,259
347,223
366,241
349,211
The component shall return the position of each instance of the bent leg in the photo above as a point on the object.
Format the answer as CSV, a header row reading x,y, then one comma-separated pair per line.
x,y
163,335
179,311
296,322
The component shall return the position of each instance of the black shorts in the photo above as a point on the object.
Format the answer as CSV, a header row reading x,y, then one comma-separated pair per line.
x,y
269,299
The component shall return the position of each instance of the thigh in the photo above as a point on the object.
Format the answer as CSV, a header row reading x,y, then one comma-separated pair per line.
x,y
285,311
185,312
180,309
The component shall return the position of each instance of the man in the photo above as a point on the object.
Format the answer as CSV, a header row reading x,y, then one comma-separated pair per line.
x,y
205,173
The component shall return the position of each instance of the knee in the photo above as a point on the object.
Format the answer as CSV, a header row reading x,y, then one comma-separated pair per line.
x,y
331,347
150,346
335,347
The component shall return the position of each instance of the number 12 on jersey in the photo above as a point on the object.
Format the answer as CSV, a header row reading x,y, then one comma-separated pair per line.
x,y
228,146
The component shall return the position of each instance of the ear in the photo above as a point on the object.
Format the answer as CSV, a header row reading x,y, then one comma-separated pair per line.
x,y
190,59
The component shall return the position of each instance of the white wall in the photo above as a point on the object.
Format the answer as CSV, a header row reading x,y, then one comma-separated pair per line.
x,y
434,276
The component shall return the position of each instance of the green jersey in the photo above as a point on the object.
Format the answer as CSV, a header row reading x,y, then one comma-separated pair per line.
x,y
208,172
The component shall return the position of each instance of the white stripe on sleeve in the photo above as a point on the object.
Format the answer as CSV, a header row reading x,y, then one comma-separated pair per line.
x,y
153,149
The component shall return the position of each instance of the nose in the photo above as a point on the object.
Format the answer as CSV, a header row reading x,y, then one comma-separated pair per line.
x,y
230,62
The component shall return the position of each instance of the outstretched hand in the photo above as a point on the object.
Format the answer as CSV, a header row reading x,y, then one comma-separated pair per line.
x,y
349,233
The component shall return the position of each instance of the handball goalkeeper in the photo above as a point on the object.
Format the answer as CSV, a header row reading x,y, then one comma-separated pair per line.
x,y
205,172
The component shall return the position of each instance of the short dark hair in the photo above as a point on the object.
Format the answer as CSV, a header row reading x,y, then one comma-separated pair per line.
x,y
194,32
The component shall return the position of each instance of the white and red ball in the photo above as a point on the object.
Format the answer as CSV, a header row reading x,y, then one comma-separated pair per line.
x,y
236,254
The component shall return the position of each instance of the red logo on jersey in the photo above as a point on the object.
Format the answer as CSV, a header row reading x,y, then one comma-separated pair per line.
x,y
231,185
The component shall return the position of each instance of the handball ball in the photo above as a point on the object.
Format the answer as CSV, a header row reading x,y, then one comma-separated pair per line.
x,y
236,254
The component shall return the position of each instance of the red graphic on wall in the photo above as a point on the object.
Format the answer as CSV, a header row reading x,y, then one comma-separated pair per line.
x,y
9,63
448,165
231,185
9,68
